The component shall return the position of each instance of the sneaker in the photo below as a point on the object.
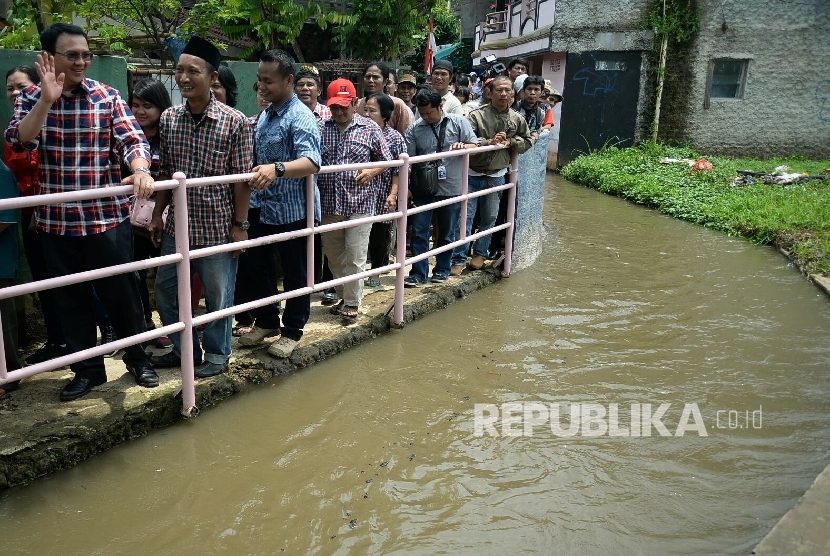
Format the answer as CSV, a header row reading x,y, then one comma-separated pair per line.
x,y
208,369
373,282
330,297
456,270
411,282
108,334
163,342
438,278
477,262
283,348
257,335
47,352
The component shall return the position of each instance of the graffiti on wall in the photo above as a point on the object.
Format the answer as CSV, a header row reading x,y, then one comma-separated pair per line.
x,y
596,81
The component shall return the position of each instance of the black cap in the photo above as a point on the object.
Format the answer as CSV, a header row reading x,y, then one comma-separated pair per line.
x,y
442,64
199,47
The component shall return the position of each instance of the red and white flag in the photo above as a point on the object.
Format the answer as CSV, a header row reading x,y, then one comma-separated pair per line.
x,y
431,49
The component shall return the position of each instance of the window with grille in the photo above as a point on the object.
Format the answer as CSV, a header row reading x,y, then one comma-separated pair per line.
x,y
728,79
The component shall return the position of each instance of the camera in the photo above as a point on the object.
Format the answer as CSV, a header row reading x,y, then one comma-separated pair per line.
x,y
494,68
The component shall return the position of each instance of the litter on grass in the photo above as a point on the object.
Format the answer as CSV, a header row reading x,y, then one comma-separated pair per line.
x,y
780,176
695,165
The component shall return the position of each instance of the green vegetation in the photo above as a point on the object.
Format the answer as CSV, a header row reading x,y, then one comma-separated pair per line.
x,y
382,29
374,29
447,30
675,21
795,217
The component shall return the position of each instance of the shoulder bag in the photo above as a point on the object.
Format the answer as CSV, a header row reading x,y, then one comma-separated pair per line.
x,y
423,178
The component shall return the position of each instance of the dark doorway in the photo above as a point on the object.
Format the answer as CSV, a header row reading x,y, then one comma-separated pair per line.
x,y
600,102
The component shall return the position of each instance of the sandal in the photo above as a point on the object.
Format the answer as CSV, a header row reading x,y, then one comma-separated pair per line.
x,y
241,330
338,309
349,312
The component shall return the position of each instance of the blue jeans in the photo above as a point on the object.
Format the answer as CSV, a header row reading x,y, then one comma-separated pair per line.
x,y
447,217
489,205
218,275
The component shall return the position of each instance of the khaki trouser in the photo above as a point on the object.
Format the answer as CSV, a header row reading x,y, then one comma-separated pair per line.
x,y
346,251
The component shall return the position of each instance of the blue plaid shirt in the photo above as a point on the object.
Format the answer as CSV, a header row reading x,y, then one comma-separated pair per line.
x,y
284,134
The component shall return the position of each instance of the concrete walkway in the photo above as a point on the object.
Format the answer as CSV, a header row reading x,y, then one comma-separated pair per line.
x,y
40,435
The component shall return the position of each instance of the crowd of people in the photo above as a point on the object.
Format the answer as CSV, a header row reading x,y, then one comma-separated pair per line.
x,y
71,133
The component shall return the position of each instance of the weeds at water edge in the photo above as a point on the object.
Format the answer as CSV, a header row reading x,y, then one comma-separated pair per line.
x,y
796,217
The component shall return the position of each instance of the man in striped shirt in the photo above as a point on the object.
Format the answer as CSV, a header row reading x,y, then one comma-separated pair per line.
x,y
348,138
80,127
203,137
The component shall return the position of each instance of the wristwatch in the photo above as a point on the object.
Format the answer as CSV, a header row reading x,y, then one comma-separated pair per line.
x,y
280,168
244,225
142,169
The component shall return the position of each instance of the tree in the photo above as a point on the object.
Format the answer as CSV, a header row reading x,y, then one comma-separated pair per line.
x,y
124,25
26,19
676,21
272,23
447,30
383,29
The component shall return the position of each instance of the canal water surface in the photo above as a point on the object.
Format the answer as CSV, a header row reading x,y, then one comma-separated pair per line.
x,y
376,452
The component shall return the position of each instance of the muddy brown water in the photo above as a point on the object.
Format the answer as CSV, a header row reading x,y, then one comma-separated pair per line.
x,y
374,451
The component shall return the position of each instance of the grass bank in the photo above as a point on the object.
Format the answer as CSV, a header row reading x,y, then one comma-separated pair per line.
x,y
795,217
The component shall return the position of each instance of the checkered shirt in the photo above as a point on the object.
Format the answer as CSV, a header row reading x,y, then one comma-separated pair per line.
x,y
383,182
221,143
255,194
322,112
83,140
361,142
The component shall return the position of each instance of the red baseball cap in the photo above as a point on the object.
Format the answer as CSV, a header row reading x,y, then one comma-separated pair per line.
x,y
340,92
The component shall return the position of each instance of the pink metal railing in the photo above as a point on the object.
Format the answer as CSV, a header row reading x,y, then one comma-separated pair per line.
x,y
183,255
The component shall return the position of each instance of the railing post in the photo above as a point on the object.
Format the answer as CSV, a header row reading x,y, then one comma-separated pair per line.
x,y
182,242
400,243
465,178
309,222
3,362
511,214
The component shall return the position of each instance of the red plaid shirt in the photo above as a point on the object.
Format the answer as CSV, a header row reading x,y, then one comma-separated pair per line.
x,y
79,147
221,143
361,142
321,112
